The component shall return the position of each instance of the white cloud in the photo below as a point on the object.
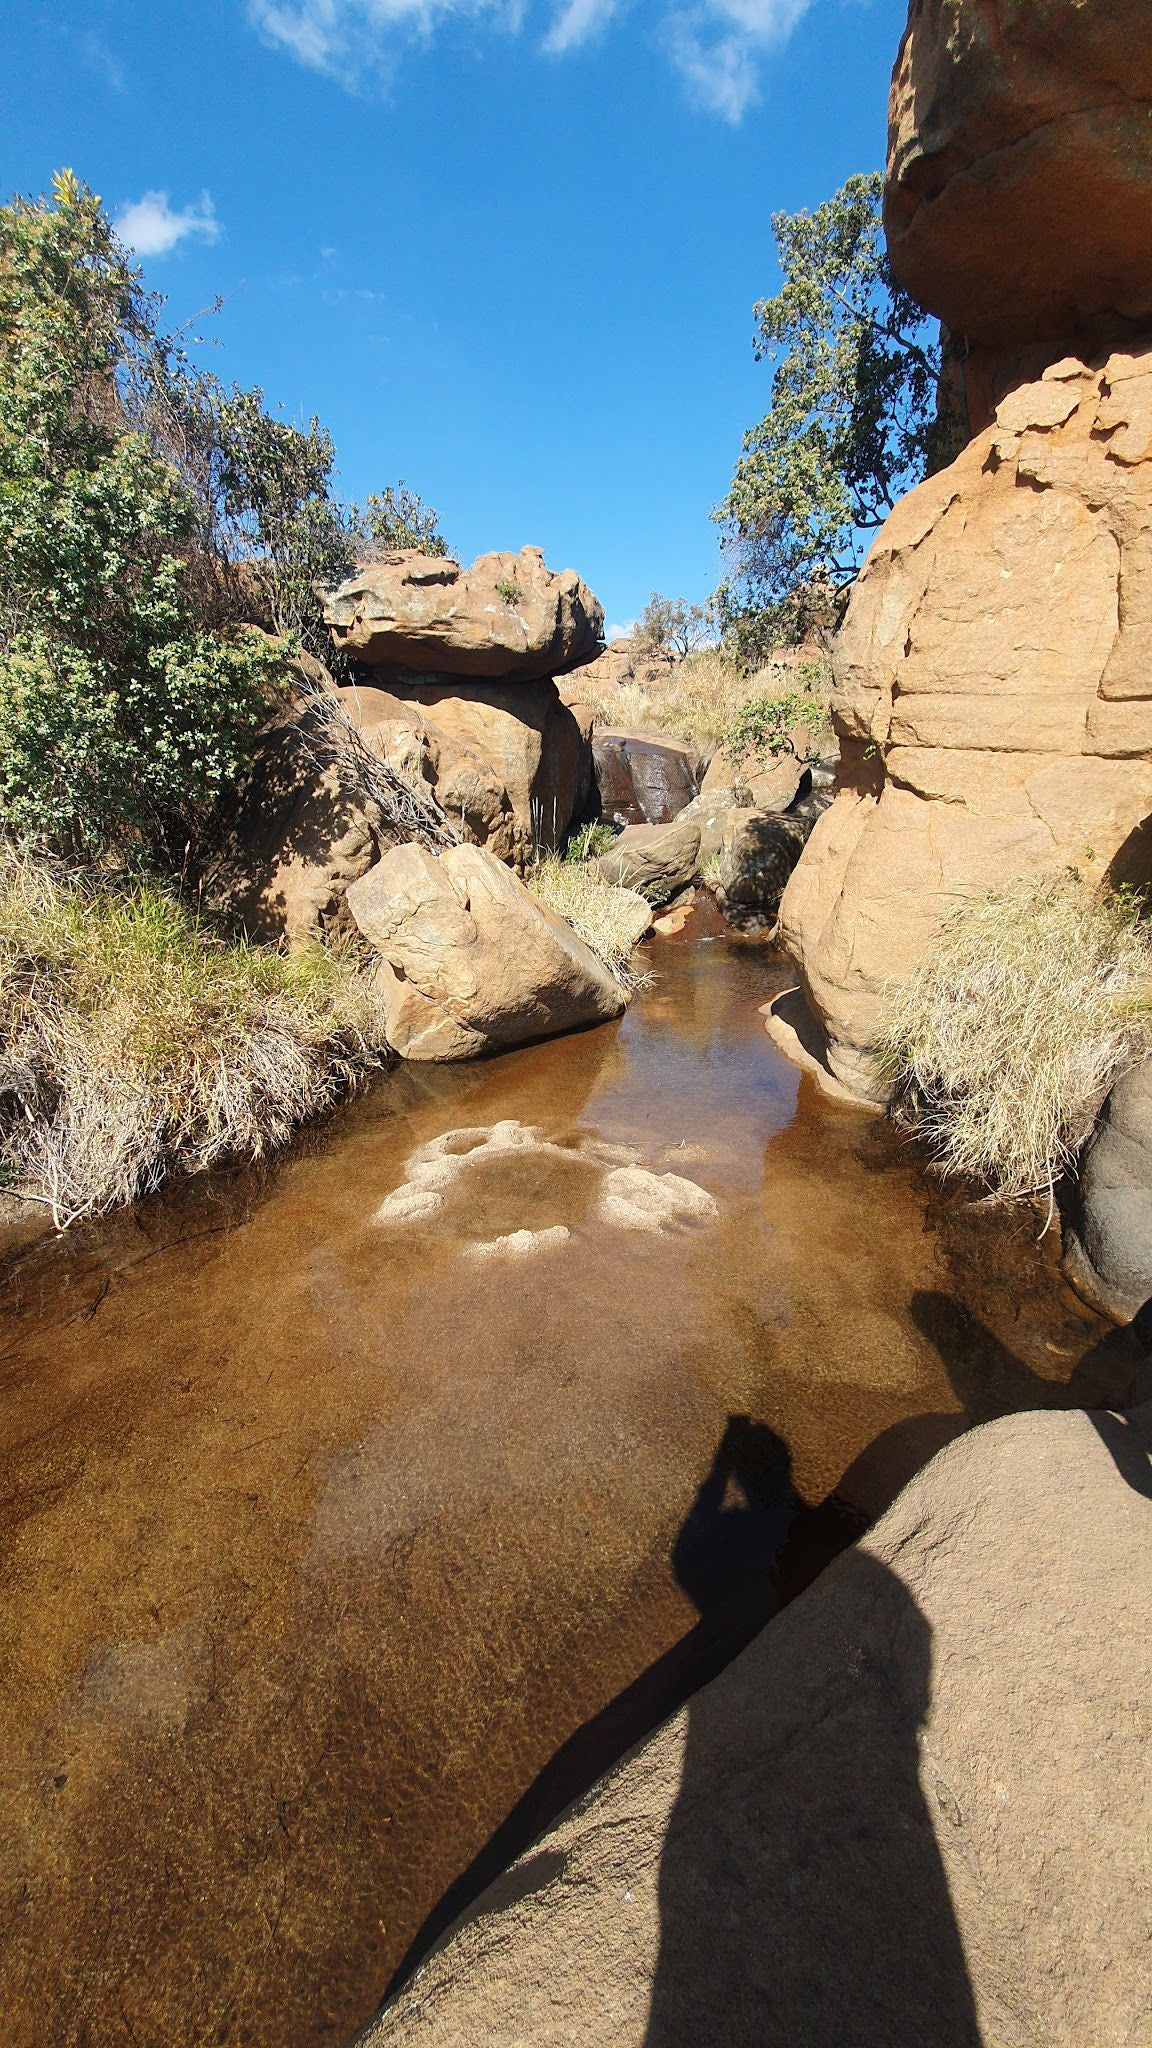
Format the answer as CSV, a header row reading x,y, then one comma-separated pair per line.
x,y
717,46
624,632
576,21
151,226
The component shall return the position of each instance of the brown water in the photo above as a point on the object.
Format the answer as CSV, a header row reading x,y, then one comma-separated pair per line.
x,y
321,1534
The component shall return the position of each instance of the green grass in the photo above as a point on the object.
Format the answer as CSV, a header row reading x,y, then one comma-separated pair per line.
x,y
1005,1041
135,1043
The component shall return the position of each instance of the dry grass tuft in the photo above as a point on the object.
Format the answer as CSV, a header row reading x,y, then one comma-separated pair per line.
x,y
698,699
135,1044
1005,1041
610,921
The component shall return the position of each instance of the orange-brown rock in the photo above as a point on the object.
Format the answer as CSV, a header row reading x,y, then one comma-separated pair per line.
x,y
993,693
507,616
1019,192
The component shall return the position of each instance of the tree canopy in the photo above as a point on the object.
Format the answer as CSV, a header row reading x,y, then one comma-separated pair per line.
x,y
852,425
146,512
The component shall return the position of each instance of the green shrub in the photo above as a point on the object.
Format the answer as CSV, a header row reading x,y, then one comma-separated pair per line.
x,y
134,1043
764,726
1005,1040
589,841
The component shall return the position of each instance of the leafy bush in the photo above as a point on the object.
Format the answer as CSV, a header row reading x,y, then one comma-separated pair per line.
x,y
1005,1040
611,921
588,841
398,518
764,726
134,1043
670,629
120,719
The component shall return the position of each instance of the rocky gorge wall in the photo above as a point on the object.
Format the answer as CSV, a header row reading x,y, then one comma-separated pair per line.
x,y
994,672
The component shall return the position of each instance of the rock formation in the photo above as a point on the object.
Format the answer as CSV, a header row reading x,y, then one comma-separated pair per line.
x,y
507,617
917,1809
642,780
993,688
994,694
1019,187
470,961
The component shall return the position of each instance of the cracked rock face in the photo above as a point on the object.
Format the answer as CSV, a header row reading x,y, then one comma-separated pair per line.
x,y
993,693
1019,186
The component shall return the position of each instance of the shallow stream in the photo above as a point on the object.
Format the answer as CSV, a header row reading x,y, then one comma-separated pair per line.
x,y
337,1499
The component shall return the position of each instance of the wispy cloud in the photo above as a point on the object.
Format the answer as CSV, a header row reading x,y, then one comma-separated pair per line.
x,y
151,226
576,21
717,47
96,56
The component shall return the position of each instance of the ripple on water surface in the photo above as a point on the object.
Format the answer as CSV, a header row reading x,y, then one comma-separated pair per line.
x,y
336,1501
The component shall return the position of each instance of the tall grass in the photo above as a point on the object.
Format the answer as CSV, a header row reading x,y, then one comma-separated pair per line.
x,y
1004,1042
611,921
134,1043
699,699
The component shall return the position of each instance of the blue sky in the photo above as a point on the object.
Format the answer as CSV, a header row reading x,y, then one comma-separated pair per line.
x,y
507,250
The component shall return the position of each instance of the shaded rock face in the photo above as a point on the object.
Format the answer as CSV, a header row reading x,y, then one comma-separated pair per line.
x,y
1019,186
509,763
508,616
470,962
655,860
757,854
1108,1248
916,1809
993,693
642,780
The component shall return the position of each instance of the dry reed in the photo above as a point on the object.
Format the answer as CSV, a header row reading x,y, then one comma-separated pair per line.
x,y
1004,1042
135,1044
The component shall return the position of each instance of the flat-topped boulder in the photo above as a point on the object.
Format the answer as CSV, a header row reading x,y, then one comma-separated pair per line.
x,y
508,616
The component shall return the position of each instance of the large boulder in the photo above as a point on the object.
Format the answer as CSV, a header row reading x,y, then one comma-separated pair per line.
x,y
655,860
757,854
509,763
642,780
507,616
1019,188
1108,1247
993,694
470,962
917,1809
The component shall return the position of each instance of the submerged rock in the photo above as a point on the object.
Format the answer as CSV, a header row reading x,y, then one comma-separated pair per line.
x,y
1108,1250
470,961
508,617
916,1809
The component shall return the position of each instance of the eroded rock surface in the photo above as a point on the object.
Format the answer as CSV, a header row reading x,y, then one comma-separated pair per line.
x,y
642,780
993,693
470,961
916,1809
507,616
1019,188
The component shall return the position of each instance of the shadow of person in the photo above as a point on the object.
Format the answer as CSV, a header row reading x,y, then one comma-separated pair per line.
x,y
723,1557
803,1900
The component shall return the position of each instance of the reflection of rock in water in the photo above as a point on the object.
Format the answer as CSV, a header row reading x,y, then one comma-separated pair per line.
x,y
510,1173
